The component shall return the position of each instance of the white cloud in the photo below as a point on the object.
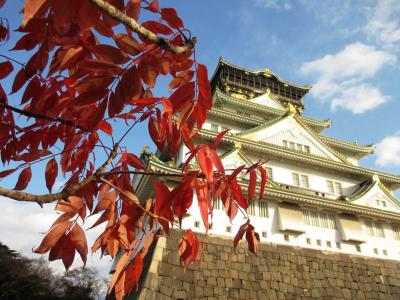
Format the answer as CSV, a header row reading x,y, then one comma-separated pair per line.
x,y
359,99
341,78
275,4
384,24
22,227
387,152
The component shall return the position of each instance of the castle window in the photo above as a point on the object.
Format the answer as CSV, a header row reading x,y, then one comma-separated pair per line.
x,y
304,181
264,234
291,145
251,210
228,229
338,245
396,231
375,229
218,205
385,252
319,219
330,186
308,241
358,248
329,244
286,237
214,127
381,203
262,209
376,252
197,224
296,179
338,188
307,149
299,147
319,242
269,173
285,143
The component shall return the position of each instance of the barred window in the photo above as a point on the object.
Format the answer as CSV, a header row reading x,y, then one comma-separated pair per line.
x,y
291,145
338,188
299,147
285,143
307,149
319,219
374,229
218,205
304,181
396,231
262,209
251,210
379,230
214,127
330,186
296,179
269,172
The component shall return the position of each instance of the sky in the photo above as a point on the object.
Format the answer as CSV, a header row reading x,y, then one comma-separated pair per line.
x,y
349,51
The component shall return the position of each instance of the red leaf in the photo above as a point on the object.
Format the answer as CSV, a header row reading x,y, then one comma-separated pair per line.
x,y
253,239
132,273
163,204
203,199
188,248
51,173
52,237
7,172
170,15
252,184
153,6
23,179
127,44
239,235
206,164
157,27
263,180
110,53
78,239
218,138
134,161
19,81
180,79
204,86
148,72
33,8
128,88
105,127
182,95
5,69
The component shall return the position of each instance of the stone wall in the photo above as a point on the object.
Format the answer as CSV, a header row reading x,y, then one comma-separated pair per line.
x,y
277,272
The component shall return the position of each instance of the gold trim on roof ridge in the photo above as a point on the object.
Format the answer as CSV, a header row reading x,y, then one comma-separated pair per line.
x,y
263,108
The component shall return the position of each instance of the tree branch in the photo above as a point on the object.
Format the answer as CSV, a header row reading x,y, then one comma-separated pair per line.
x,y
116,14
40,116
65,193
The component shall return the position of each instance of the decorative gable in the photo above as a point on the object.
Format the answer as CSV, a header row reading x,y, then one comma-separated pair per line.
x,y
291,133
377,196
268,100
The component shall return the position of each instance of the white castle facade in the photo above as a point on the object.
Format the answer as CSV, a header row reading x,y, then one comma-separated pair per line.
x,y
317,195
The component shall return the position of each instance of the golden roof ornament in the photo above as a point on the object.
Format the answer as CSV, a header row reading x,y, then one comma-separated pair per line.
x,y
238,146
292,109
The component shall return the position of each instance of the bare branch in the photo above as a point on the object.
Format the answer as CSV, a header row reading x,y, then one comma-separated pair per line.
x,y
116,14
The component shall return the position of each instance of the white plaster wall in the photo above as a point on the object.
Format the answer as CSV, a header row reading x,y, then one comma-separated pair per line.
x,y
274,235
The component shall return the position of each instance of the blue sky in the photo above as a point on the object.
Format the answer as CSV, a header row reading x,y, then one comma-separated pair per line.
x,y
349,51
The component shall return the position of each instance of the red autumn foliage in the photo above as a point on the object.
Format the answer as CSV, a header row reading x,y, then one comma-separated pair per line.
x,y
84,75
